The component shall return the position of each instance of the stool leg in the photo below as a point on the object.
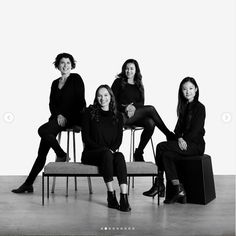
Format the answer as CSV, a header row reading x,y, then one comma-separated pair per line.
x,y
133,147
130,155
43,188
153,149
54,178
74,150
90,185
68,152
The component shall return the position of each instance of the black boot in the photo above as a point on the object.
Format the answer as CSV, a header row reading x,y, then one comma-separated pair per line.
x,y
138,155
157,188
112,201
178,195
124,203
171,136
24,188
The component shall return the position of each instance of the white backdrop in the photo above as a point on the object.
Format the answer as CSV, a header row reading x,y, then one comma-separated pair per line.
x,y
170,39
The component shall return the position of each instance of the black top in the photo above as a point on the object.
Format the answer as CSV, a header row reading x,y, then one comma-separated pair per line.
x,y
103,134
68,101
129,94
190,125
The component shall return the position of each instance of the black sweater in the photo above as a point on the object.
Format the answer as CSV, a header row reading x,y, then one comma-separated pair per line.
x,y
102,134
190,125
68,101
129,94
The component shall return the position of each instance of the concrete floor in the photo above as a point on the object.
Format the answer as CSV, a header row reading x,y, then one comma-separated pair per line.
x,y
84,214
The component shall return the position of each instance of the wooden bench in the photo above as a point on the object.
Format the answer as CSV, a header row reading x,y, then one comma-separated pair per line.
x,y
81,170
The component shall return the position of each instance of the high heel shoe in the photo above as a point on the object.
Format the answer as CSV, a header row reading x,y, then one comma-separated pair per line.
x,y
178,195
23,189
112,201
157,188
124,203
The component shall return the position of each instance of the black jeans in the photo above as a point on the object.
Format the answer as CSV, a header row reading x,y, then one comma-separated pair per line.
x,y
146,117
109,164
167,153
48,133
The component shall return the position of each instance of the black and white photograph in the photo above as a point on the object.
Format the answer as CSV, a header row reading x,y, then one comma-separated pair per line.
x,y
118,117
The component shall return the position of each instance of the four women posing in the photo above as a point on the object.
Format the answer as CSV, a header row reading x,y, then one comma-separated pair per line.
x,y
102,129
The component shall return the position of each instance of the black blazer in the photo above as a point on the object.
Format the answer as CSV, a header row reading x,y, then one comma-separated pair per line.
x,y
68,101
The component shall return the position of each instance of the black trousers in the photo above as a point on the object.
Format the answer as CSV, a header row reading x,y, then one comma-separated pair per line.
x,y
168,153
48,133
109,164
146,117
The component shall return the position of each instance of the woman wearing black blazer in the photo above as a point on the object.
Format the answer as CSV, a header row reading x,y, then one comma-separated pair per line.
x,y
102,135
129,92
189,141
66,105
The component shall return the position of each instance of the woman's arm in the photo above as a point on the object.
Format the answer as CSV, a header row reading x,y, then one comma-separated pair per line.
x,y
196,129
87,132
119,136
52,102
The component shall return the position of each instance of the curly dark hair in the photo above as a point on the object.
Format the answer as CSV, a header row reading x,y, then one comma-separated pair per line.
x,y
182,101
64,55
96,108
137,76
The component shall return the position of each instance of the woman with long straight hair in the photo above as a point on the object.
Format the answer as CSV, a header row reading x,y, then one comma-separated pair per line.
x,y
189,141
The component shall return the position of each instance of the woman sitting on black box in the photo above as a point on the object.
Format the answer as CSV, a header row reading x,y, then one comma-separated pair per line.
x,y
189,141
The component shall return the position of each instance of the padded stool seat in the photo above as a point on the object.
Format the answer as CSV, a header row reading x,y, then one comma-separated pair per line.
x,y
195,173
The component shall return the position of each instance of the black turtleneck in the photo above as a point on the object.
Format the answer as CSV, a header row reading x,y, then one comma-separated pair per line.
x,y
104,133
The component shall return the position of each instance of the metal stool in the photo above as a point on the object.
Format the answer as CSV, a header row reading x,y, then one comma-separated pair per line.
x,y
133,129
74,129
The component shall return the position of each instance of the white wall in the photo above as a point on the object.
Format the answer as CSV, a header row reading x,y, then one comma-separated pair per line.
x,y
170,39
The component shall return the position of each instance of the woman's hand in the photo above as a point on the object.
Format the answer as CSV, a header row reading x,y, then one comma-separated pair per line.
x,y
61,120
130,110
182,144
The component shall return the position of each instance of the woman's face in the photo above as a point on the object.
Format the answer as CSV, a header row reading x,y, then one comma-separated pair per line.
x,y
189,91
104,98
130,70
65,66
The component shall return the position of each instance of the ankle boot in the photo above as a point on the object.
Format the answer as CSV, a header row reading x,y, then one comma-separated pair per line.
x,y
24,188
111,200
124,203
157,188
178,195
138,155
171,136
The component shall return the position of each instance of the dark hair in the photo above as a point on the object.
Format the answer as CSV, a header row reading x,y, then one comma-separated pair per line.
x,y
137,76
64,55
182,101
95,111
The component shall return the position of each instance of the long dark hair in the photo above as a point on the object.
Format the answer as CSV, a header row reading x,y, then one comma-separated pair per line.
x,y
137,77
182,101
96,108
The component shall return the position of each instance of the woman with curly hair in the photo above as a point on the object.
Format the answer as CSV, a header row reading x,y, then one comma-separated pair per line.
x,y
129,92
66,105
102,136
